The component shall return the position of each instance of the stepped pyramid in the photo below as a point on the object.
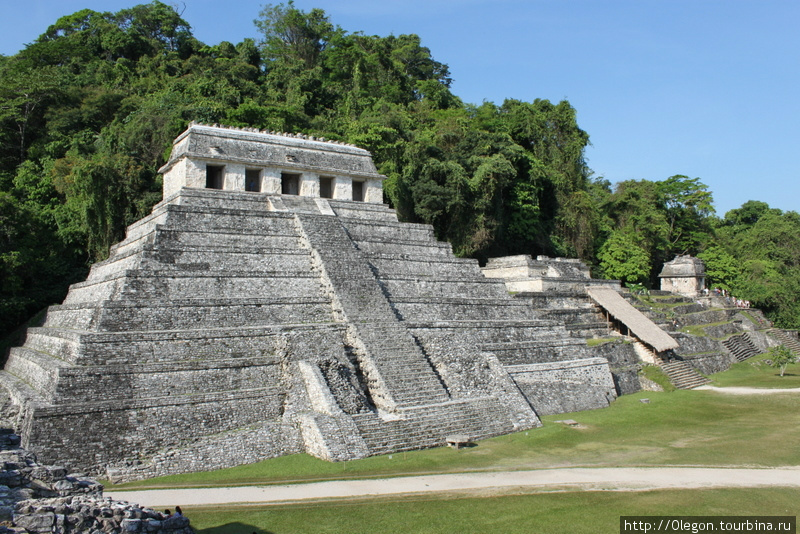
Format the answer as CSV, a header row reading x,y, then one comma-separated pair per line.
x,y
272,304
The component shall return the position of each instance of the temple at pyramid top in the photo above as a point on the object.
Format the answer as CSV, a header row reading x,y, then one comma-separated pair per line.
x,y
247,159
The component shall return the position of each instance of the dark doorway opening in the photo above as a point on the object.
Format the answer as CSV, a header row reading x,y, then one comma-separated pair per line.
x,y
290,184
358,191
215,176
326,187
252,180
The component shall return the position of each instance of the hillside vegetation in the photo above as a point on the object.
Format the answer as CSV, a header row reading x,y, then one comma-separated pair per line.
x,y
88,112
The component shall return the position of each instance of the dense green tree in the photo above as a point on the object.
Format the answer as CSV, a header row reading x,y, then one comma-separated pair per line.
x,y
292,35
687,203
766,244
780,357
668,217
24,95
87,115
623,258
723,270
747,215
558,171
88,112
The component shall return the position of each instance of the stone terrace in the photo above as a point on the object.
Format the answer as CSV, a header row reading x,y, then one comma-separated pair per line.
x,y
233,325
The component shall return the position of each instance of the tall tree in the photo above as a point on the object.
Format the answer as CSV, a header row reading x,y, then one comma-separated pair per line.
x,y
292,35
669,217
764,246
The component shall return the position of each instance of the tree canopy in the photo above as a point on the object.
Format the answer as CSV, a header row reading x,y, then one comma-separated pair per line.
x,y
89,110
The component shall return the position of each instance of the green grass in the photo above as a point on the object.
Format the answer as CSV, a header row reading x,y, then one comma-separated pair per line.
x,y
594,342
753,319
754,372
574,513
695,330
655,374
699,329
678,428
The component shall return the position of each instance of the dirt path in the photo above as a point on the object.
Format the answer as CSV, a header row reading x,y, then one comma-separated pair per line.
x,y
571,479
750,391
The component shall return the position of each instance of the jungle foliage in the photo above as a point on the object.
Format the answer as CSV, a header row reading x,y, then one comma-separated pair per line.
x,y
88,112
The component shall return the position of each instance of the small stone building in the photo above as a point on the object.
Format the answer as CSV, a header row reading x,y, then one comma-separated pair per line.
x,y
247,159
685,275
544,274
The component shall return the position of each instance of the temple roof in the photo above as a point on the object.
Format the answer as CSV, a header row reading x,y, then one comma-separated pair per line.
x,y
251,146
642,327
683,267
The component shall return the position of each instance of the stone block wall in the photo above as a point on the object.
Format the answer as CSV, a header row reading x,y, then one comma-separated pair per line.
x,y
236,150
233,326
565,386
623,363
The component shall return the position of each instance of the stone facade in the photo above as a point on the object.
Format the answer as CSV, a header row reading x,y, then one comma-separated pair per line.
x,y
247,159
684,275
233,325
544,274
565,386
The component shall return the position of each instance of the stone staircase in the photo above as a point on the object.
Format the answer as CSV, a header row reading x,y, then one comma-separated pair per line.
x,y
263,319
463,320
788,338
413,400
423,426
682,375
741,347
395,364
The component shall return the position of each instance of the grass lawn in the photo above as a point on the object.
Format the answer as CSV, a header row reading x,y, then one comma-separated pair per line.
x,y
677,428
553,513
756,373
700,329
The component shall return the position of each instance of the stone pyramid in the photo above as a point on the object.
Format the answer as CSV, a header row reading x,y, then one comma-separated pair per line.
x,y
270,305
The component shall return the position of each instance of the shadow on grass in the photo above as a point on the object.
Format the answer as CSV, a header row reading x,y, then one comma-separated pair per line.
x,y
233,528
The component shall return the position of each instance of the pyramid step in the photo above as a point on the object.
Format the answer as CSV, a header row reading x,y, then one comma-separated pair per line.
x,y
682,375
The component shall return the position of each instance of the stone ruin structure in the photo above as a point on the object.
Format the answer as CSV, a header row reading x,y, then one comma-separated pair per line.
x,y
567,287
544,274
39,499
684,275
272,304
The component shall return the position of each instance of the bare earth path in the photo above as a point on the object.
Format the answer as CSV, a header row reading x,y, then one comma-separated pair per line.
x,y
734,390
569,479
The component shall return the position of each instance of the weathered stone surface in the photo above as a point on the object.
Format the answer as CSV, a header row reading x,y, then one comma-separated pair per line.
x,y
92,514
235,151
232,325
48,500
684,275
544,275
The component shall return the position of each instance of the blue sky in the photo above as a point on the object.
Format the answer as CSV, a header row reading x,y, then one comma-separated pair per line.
x,y
705,88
